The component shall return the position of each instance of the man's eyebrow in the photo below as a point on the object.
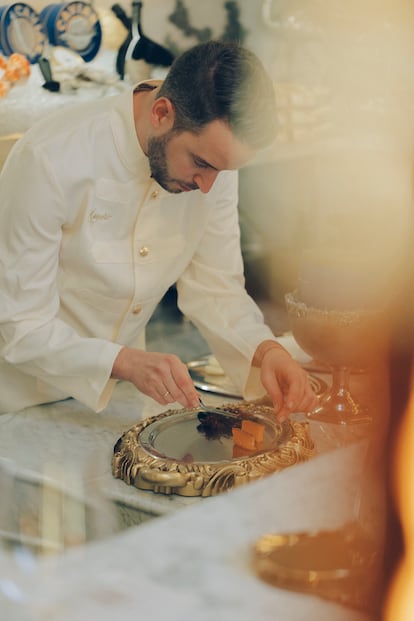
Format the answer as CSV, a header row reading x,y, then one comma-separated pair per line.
x,y
203,162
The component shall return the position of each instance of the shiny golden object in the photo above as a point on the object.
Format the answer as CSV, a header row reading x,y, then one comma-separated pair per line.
x,y
344,340
339,565
176,452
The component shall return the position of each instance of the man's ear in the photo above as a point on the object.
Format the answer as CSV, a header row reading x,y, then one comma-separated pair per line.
x,y
162,113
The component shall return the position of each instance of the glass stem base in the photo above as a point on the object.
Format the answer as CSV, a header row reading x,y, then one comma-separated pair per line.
x,y
338,406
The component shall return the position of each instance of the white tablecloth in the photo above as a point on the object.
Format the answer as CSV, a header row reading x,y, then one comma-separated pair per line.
x,y
28,102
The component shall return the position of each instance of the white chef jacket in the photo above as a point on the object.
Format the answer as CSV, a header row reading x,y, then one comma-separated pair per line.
x,y
89,244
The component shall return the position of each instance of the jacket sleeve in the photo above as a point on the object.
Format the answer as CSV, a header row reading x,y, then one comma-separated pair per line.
x,y
212,294
32,337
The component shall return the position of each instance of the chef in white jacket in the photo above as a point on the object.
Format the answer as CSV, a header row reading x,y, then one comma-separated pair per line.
x,y
104,206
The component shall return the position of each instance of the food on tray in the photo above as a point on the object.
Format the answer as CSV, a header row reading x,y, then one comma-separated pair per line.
x,y
214,426
240,452
247,434
250,436
254,429
243,439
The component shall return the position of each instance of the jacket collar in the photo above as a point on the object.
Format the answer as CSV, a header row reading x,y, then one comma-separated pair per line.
x,y
125,137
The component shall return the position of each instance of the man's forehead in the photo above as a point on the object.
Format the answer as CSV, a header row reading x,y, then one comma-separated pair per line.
x,y
217,145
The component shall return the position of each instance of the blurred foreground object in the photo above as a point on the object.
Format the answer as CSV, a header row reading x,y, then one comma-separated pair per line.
x,y
330,564
345,340
400,603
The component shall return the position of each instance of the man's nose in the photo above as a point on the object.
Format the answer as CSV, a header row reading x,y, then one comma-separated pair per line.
x,y
205,180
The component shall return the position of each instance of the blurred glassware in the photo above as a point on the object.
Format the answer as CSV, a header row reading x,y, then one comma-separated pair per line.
x,y
332,564
344,340
342,563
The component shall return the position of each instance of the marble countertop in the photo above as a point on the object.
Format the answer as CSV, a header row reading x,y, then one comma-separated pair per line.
x,y
193,562
76,440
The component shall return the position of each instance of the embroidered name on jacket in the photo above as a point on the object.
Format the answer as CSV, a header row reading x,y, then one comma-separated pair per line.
x,y
95,217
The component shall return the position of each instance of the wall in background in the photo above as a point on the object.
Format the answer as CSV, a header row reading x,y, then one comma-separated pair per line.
x,y
339,172
340,169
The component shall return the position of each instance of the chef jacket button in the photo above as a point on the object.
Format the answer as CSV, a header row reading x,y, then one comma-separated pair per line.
x,y
155,194
143,251
136,309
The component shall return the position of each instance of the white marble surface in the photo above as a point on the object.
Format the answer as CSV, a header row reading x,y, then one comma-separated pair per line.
x,y
74,439
195,564
192,563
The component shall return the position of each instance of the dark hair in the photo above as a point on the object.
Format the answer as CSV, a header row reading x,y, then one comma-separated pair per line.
x,y
225,81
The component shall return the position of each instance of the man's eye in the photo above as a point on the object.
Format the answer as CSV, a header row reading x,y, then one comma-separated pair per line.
x,y
200,163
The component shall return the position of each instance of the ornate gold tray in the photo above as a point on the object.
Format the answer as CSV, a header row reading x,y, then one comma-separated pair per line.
x,y
191,452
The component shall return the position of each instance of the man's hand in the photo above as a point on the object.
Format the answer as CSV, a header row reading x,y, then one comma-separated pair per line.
x,y
163,377
286,383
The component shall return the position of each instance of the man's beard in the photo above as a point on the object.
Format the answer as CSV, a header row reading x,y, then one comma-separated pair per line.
x,y
157,158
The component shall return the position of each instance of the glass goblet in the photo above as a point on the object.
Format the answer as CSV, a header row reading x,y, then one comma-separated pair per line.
x,y
343,340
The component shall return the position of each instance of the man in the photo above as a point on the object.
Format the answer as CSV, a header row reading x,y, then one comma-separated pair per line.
x,y
104,206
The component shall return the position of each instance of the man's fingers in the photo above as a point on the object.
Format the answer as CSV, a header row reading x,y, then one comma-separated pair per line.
x,y
163,377
290,390
182,388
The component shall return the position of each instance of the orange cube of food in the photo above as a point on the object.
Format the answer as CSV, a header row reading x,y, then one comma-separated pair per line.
x,y
238,452
255,429
243,439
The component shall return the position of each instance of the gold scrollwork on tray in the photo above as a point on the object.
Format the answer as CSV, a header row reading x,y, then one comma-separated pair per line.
x,y
172,453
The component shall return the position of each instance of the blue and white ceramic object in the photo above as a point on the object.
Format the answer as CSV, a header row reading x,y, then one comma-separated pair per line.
x,y
21,31
74,25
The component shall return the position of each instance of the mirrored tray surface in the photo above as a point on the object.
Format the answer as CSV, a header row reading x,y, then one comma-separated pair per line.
x,y
198,436
191,452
